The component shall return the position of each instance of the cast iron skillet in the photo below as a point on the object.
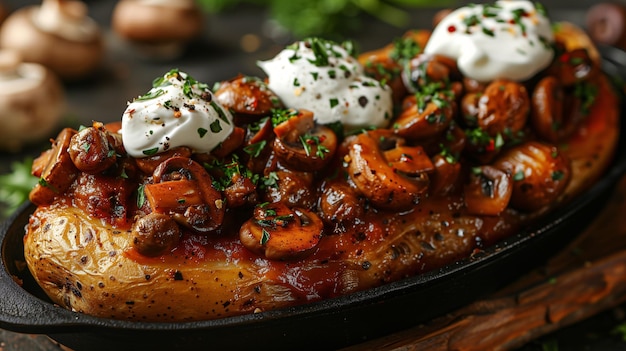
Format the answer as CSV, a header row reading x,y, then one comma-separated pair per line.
x,y
328,324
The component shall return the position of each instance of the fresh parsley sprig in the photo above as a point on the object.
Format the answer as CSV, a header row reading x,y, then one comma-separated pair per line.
x,y
16,185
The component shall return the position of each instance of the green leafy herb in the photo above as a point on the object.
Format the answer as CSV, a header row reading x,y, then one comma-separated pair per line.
x,y
202,132
215,126
16,185
150,152
152,94
265,236
255,149
141,196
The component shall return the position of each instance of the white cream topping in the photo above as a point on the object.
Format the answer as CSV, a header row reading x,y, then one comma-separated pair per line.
x,y
508,39
322,77
177,111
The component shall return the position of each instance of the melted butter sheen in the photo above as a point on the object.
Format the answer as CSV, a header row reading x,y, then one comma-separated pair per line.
x,y
326,80
176,112
509,39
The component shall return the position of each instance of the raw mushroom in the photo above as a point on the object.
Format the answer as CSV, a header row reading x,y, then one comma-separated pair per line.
x,y
58,34
31,102
159,28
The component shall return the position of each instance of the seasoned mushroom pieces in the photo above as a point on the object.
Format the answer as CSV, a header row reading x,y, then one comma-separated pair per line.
x,y
556,113
303,145
488,191
502,108
281,233
155,234
390,174
539,174
183,188
247,96
92,151
55,170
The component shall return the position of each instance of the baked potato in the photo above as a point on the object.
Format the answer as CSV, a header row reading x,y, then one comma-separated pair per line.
x,y
114,239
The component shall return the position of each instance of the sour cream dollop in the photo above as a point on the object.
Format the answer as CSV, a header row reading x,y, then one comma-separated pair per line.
x,y
507,39
177,111
321,76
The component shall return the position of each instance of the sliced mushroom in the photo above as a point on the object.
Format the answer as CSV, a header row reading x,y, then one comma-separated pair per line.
x,y
425,69
389,174
184,189
503,108
247,97
425,116
32,100
292,188
58,34
148,164
155,234
241,192
488,191
59,172
574,66
446,176
280,233
302,145
539,174
555,114
234,140
340,205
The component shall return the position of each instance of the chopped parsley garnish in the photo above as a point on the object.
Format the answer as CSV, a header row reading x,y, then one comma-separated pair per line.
x,y
220,112
202,132
216,127
333,102
308,141
152,94
150,152
255,149
519,176
141,196
281,115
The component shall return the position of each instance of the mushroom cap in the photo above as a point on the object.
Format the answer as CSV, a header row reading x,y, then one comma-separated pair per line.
x,y
32,100
69,59
156,22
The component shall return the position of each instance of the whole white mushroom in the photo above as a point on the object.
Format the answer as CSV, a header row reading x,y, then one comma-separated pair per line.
x,y
57,34
32,101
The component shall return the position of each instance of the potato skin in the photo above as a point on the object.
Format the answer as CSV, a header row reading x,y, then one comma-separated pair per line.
x,y
89,266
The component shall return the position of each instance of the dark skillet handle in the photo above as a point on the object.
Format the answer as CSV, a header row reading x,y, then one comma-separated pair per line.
x,y
21,311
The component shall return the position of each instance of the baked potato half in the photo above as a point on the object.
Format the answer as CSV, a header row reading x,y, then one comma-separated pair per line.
x,y
354,231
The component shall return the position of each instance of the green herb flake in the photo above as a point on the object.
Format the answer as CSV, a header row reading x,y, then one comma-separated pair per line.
x,y
220,112
152,94
519,176
557,175
265,236
255,149
202,132
141,196
150,152
216,127
333,102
